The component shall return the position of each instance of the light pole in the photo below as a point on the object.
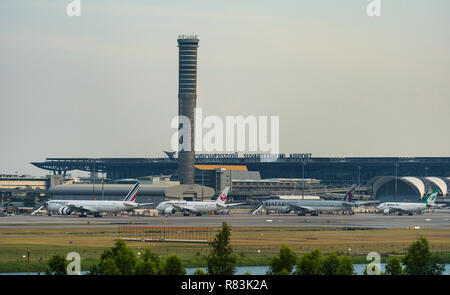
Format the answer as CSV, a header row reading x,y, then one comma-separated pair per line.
x,y
396,167
303,179
28,261
426,171
359,178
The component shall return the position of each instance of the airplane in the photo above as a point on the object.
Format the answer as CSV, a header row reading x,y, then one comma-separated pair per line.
x,y
196,207
66,207
303,207
409,208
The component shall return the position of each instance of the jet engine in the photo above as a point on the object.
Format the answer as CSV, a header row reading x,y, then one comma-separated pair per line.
x,y
285,210
169,211
64,210
386,211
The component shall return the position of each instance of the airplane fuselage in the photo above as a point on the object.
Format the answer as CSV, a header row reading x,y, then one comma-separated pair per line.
x,y
194,206
409,207
319,205
90,205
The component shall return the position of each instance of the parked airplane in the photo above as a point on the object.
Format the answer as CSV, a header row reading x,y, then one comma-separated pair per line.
x,y
66,207
408,208
196,207
302,207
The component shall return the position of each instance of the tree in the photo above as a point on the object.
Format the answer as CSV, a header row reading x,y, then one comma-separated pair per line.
x,y
146,267
57,265
220,260
108,267
123,257
394,266
149,264
173,266
420,261
284,261
309,263
330,264
345,266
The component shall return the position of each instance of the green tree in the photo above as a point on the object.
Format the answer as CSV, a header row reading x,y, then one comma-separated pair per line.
x,y
199,272
57,265
330,264
173,266
149,264
345,266
108,267
420,261
220,260
285,260
124,259
309,263
394,266
146,267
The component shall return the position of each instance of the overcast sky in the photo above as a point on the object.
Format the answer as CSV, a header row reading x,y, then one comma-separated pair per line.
x,y
105,84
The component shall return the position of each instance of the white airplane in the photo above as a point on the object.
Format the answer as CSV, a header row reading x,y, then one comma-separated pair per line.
x,y
196,207
66,207
408,208
303,207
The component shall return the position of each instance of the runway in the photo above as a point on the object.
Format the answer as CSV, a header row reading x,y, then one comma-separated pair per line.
x,y
357,221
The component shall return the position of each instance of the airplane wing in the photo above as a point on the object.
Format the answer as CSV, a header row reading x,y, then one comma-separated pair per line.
x,y
364,203
302,208
398,209
80,208
231,205
144,204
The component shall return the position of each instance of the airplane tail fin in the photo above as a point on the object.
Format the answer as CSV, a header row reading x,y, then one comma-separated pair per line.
x,y
431,198
131,196
223,197
348,195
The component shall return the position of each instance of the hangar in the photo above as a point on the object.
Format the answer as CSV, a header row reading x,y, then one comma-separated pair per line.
x,y
407,188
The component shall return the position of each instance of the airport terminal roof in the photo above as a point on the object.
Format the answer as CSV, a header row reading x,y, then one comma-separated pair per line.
x,y
414,182
418,184
440,183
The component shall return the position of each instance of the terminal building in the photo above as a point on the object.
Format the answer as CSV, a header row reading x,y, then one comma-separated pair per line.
x,y
329,170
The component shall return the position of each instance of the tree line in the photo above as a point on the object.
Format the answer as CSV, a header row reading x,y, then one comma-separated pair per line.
x,y
123,260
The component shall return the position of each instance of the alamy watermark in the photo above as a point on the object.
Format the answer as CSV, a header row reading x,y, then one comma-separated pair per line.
x,y
74,267
373,268
216,134
74,8
374,8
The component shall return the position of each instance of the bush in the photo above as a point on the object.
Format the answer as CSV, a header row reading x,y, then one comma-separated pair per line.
x,y
330,264
309,263
173,266
345,266
146,267
394,266
108,267
57,265
284,261
420,261
120,258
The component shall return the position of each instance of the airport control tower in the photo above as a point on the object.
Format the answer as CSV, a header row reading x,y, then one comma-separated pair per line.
x,y
187,97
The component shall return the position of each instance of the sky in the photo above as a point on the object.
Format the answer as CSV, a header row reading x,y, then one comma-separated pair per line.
x,y
104,84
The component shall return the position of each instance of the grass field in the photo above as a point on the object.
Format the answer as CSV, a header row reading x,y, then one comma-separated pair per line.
x,y
252,245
